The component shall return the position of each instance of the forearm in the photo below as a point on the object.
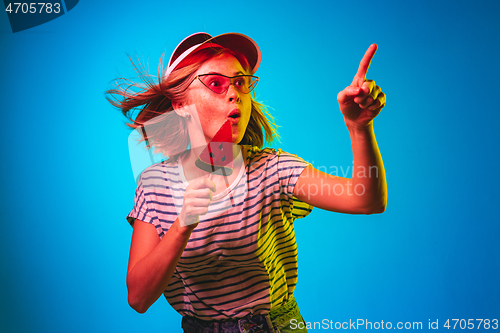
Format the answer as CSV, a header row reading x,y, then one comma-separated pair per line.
x,y
150,276
368,174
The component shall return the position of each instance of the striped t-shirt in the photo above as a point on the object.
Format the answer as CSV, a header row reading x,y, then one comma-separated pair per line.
x,y
242,257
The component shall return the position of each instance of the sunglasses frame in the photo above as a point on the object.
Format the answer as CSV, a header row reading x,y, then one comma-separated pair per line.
x,y
231,82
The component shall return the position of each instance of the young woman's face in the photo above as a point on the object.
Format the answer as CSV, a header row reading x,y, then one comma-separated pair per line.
x,y
214,109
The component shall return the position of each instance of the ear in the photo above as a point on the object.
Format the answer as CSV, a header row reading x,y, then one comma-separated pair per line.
x,y
178,108
182,110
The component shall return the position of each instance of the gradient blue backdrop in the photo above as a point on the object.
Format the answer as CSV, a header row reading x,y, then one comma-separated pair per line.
x,y
67,183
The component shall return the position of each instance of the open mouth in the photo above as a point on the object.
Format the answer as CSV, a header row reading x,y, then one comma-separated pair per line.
x,y
235,114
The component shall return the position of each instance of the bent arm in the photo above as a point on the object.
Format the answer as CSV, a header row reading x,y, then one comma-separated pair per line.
x,y
152,262
365,193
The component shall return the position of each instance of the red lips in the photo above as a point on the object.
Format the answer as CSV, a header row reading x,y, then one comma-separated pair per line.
x,y
234,114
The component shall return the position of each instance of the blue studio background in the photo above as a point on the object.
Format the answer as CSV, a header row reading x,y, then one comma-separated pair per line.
x,y
67,184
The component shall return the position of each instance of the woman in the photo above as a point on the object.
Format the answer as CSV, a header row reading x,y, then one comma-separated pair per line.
x,y
220,245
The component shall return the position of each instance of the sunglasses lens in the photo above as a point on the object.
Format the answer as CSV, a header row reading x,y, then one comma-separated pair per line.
x,y
245,84
217,83
241,83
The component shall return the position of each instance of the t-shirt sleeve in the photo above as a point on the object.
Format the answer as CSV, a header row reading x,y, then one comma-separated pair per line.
x,y
290,167
142,206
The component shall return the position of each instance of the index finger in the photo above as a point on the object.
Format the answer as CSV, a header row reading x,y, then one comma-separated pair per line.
x,y
365,63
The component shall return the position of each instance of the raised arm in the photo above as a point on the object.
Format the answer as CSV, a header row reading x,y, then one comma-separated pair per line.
x,y
366,192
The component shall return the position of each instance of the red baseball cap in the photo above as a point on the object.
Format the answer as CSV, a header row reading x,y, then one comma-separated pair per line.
x,y
232,41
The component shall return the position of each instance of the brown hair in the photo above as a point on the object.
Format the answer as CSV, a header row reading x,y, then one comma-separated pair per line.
x,y
149,104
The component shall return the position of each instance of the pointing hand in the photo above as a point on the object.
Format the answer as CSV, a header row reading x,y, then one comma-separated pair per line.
x,y
363,100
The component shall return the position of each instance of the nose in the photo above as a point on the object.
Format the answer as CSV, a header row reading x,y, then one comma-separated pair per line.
x,y
233,94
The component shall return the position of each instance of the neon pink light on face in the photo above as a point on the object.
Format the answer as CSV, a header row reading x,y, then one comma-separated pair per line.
x,y
216,108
